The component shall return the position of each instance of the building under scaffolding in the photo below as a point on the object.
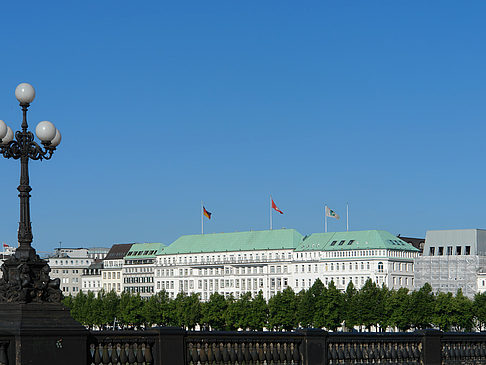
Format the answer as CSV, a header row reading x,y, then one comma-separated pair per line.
x,y
452,260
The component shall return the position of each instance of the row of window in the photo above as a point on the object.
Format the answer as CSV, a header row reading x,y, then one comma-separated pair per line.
x,y
136,279
458,251
224,258
140,289
109,274
92,284
70,262
65,271
138,269
110,287
140,253
67,289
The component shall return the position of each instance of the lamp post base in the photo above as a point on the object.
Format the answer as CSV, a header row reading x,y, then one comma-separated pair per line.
x,y
25,279
45,333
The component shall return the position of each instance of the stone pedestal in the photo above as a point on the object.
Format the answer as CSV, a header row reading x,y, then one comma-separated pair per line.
x,y
45,333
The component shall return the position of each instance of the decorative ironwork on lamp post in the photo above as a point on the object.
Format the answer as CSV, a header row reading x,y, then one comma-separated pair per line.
x,y
25,275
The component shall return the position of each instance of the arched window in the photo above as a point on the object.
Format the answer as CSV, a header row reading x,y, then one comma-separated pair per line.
x,y
380,267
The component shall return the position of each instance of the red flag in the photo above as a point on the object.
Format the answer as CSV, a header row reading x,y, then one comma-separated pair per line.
x,y
274,206
5,245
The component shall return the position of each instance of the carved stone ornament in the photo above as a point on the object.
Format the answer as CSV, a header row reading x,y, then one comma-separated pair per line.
x,y
27,280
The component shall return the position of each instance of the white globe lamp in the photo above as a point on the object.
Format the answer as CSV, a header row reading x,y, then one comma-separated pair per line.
x,y
25,93
45,131
8,137
57,139
3,129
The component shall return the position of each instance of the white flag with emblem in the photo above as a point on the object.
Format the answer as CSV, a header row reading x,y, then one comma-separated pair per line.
x,y
331,213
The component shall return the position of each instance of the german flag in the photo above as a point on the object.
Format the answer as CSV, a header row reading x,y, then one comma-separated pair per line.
x,y
206,213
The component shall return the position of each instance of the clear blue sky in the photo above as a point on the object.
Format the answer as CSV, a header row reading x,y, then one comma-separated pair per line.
x,y
381,104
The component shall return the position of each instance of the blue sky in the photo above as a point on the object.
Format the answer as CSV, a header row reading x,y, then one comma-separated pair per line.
x,y
163,104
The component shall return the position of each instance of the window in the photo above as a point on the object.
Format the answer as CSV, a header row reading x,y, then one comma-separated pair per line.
x,y
341,243
467,251
449,250
458,250
380,267
350,242
333,243
441,251
431,251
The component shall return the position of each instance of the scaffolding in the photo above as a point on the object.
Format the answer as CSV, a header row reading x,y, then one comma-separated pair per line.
x,y
449,273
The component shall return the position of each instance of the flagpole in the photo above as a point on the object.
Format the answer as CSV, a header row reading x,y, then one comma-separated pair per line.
x,y
347,217
202,217
271,225
325,218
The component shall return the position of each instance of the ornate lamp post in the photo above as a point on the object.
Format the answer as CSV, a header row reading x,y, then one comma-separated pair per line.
x,y
25,275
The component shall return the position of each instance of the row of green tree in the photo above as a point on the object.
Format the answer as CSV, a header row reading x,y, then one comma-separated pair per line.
x,y
370,308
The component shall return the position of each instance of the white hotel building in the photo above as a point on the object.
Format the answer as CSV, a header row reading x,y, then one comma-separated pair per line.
x,y
271,260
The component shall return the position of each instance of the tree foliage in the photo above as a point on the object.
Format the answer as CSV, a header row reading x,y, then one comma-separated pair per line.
x,y
371,308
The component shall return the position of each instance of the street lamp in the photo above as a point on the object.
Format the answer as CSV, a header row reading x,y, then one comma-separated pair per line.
x,y
25,275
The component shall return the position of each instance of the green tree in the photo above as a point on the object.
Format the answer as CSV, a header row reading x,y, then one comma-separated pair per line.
x,y
258,313
350,307
423,303
68,302
212,312
151,310
130,309
109,307
463,316
306,304
238,314
329,308
479,310
370,305
397,309
282,309
78,305
187,310
443,316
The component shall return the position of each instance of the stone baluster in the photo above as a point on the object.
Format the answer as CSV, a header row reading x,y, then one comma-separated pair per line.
x,y
96,354
256,352
140,355
105,358
232,352
131,354
224,353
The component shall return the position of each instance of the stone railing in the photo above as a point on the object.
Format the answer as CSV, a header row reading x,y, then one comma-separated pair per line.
x,y
174,346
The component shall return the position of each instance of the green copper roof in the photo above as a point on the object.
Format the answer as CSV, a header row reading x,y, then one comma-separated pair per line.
x,y
145,250
237,241
353,240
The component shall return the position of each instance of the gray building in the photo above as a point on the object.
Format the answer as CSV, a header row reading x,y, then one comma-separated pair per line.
x,y
69,264
452,260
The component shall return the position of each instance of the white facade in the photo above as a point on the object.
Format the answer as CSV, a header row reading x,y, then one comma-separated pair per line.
x,y
384,267
138,268
339,257
91,278
112,271
112,276
224,272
